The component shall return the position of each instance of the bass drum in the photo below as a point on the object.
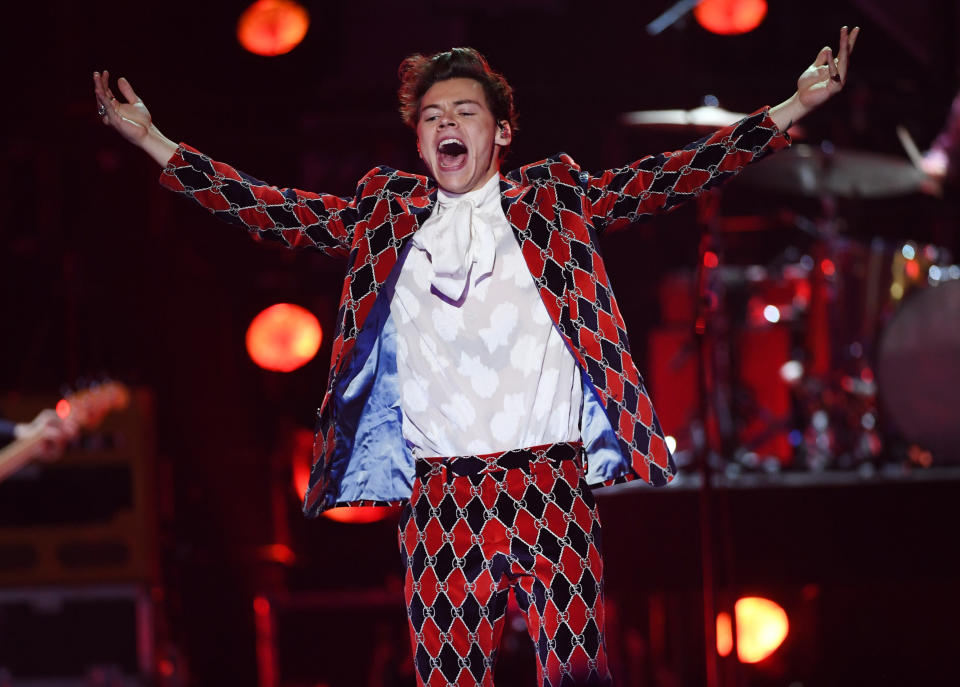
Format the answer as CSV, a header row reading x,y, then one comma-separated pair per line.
x,y
919,371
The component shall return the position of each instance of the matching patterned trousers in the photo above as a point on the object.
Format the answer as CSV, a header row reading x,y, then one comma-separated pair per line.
x,y
477,527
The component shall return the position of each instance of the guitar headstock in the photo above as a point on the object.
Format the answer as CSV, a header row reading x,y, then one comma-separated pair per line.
x,y
88,407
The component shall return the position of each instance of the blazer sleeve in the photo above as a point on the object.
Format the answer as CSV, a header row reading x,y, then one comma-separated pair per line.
x,y
659,183
295,218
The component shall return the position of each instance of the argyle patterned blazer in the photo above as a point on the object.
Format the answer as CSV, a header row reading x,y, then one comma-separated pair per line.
x,y
557,213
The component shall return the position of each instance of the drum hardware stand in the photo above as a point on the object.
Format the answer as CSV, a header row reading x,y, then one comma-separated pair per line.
x,y
707,305
833,438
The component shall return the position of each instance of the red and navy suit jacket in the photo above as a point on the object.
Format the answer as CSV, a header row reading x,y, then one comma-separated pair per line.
x,y
557,213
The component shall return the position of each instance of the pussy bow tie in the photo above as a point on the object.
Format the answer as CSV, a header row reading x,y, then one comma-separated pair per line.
x,y
460,239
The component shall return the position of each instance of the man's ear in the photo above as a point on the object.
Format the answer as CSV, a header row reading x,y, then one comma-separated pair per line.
x,y
504,133
419,151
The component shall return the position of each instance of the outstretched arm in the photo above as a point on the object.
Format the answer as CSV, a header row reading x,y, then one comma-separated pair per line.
x,y
659,183
295,218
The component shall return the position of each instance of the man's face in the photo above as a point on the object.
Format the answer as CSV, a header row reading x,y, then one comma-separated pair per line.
x,y
457,136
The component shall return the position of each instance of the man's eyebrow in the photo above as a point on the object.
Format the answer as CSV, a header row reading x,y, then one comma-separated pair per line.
x,y
456,102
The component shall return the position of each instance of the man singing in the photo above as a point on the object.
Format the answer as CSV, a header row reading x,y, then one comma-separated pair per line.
x,y
480,370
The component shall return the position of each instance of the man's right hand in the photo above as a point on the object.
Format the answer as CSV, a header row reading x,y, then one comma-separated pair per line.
x,y
131,119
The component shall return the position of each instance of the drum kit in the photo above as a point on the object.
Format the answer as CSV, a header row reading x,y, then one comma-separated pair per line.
x,y
841,353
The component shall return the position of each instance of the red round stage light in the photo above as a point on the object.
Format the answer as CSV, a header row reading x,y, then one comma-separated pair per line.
x,y
761,628
730,17
283,337
361,514
272,27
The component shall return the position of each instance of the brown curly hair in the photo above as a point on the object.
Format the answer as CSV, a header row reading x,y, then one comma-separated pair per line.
x,y
418,73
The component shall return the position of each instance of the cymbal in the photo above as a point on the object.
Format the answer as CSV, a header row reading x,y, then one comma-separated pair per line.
x,y
700,119
812,171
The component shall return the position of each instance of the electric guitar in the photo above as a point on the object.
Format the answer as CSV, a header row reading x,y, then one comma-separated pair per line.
x,y
86,408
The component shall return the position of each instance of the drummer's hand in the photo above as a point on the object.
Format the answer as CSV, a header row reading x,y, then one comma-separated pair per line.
x,y
131,119
935,165
828,73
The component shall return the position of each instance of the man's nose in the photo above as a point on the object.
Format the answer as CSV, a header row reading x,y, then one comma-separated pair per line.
x,y
447,120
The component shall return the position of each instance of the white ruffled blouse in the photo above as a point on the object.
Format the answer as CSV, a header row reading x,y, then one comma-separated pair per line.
x,y
481,366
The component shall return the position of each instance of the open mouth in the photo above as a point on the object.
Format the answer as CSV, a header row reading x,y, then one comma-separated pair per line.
x,y
451,153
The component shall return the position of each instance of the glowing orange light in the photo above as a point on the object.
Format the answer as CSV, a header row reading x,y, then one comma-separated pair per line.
x,y
761,628
710,259
913,269
828,268
283,337
272,27
730,17
362,514
63,408
724,634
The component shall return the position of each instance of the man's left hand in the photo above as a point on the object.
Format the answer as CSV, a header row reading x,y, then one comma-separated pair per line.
x,y
818,83
828,73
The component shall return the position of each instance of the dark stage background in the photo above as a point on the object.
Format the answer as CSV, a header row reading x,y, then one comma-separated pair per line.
x,y
104,273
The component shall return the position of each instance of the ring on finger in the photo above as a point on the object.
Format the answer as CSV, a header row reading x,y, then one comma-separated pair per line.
x,y
836,77
101,110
